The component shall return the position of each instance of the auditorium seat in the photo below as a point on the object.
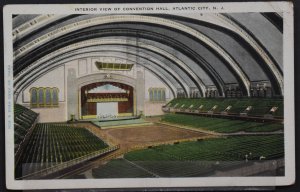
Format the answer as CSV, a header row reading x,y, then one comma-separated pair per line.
x,y
51,144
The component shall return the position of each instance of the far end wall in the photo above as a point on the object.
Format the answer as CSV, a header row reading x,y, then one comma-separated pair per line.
x,y
84,67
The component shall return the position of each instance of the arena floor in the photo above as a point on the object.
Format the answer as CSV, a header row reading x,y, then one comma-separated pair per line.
x,y
141,135
129,137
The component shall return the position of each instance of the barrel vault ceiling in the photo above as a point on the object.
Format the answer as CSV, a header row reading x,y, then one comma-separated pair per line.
x,y
215,51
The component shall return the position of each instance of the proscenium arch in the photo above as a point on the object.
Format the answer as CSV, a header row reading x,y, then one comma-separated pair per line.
x,y
94,42
137,18
23,86
83,104
99,77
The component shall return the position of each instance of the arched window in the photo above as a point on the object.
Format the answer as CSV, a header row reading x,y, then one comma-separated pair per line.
x,y
44,97
157,94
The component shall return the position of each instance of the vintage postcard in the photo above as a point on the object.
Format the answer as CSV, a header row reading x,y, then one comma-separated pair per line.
x,y
149,95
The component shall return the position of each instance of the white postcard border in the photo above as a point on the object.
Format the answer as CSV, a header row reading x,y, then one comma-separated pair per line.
x,y
289,115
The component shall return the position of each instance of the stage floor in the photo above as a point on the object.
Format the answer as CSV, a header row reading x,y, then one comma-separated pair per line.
x,y
120,122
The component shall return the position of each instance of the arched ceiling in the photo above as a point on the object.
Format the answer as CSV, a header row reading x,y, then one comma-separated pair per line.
x,y
218,50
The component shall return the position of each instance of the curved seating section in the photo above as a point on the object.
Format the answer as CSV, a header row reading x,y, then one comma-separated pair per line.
x,y
218,149
260,106
199,158
24,119
51,144
220,125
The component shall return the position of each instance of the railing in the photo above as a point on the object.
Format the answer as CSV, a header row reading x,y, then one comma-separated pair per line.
x,y
64,165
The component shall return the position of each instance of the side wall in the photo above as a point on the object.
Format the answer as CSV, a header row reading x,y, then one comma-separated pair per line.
x,y
55,78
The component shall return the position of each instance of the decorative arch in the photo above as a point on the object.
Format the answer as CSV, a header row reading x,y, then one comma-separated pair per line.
x,y
107,92
94,79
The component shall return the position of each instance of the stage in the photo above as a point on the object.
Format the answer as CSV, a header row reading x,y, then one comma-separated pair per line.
x,y
118,122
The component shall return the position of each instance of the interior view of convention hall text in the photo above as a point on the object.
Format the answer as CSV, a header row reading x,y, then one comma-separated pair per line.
x,y
148,95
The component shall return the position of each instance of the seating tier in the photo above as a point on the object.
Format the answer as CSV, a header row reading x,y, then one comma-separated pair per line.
x,y
52,144
24,119
198,158
260,106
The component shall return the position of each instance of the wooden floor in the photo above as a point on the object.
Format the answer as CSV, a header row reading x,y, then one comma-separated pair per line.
x,y
140,135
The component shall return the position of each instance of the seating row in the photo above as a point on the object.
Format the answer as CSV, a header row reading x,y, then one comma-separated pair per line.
x,y
249,106
220,125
